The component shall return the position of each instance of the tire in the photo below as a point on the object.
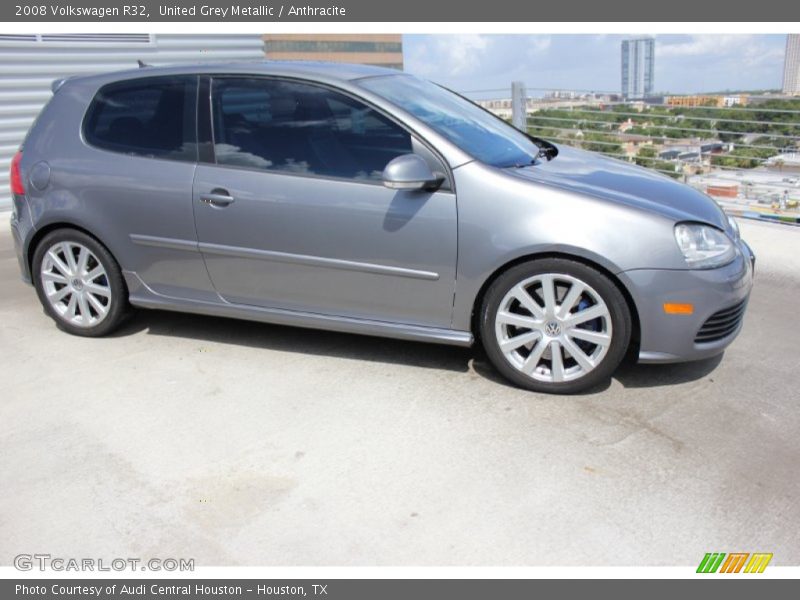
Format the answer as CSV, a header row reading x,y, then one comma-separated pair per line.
x,y
537,343
90,282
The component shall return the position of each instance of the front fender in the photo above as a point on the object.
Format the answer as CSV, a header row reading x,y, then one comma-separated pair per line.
x,y
502,219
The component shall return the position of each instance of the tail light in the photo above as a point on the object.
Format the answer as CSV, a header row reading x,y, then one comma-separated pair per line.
x,y
16,176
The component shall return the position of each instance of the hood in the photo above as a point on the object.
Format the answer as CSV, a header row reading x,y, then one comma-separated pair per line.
x,y
595,175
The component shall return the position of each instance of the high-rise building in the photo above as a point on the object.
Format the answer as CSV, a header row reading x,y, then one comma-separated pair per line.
x,y
638,67
384,50
791,65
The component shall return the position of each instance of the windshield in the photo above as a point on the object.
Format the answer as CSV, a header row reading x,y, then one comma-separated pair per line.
x,y
475,131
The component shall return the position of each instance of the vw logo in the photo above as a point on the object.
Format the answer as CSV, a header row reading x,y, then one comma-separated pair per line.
x,y
553,329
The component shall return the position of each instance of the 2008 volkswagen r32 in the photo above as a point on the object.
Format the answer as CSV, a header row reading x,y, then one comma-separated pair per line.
x,y
365,200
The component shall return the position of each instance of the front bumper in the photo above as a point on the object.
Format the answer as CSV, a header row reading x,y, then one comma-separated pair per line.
x,y
666,338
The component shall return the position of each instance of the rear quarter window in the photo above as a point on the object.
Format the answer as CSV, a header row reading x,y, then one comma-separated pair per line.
x,y
151,117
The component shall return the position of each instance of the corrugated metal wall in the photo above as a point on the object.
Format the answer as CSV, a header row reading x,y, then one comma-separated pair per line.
x,y
29,63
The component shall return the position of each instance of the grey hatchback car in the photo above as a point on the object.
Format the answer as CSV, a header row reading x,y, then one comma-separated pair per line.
x,y
364,200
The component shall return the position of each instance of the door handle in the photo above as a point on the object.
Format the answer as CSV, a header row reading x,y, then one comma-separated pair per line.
x,y
217,198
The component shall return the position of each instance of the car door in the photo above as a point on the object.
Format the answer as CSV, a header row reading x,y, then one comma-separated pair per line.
x,y
135,170
292,213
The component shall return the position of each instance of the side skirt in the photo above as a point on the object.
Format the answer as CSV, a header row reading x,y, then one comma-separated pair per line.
x,y
142,296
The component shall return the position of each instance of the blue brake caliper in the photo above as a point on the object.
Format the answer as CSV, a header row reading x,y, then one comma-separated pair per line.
x,y
593,325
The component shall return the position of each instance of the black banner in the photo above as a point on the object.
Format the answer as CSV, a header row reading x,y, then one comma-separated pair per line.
x,y
730,588
393,11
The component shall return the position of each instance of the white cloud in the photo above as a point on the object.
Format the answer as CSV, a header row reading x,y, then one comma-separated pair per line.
x,y
453,55
538,45
703,45
743,50
460,58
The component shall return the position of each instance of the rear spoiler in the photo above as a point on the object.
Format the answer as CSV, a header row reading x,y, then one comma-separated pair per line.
x,y
57,83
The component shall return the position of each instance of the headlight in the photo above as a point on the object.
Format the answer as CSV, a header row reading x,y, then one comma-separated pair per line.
x,y
704,247
735,227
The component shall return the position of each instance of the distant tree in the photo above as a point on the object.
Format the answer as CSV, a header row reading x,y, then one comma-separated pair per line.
x,y
743,157
776,123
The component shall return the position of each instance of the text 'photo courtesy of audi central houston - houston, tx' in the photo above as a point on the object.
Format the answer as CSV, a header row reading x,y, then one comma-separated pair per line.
x,y
364,200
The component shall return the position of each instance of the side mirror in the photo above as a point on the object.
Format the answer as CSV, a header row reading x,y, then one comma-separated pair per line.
x,y
410,172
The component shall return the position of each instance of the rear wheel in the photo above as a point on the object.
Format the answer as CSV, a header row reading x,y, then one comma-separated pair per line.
x,y
555,326
79,283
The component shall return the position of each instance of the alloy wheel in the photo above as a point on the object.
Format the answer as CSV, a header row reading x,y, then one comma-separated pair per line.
x,y
76,284
553,328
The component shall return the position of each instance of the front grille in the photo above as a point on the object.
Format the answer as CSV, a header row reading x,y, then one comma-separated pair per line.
x,y
721,324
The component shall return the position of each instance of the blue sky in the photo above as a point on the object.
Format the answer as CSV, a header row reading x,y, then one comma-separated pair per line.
x,y
684,63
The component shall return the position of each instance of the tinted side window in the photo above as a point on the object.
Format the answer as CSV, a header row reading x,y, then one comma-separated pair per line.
x,y
153,117
301,128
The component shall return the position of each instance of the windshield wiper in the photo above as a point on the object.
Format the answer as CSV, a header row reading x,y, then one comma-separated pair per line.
x,y
546,149
548,153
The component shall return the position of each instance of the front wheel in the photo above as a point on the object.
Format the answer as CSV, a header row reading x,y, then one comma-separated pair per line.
x,y
555,326
79,283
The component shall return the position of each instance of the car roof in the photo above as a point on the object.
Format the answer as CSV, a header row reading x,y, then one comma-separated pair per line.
x,y
328,71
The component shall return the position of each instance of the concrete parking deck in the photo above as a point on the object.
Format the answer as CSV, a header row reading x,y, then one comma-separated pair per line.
x,y
237,443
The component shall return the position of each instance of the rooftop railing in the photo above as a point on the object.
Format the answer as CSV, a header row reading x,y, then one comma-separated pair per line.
x,y
742,148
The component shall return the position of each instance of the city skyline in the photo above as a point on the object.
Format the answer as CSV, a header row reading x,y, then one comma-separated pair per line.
x,y
685,63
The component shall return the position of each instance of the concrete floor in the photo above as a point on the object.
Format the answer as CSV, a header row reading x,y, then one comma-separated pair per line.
x,y
243,444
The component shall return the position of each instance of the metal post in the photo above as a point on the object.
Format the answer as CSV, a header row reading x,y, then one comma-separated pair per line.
x,y
519,107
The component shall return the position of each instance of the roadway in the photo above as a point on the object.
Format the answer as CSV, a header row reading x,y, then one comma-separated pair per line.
x,y
236,443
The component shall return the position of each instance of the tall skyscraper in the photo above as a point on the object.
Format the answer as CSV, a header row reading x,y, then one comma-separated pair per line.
x,y
791,65
638,67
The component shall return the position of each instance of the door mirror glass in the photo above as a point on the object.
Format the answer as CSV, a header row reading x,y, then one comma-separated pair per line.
x,y
410,172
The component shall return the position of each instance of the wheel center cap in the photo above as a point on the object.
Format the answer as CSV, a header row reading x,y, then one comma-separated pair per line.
x,y
77,284
552,328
